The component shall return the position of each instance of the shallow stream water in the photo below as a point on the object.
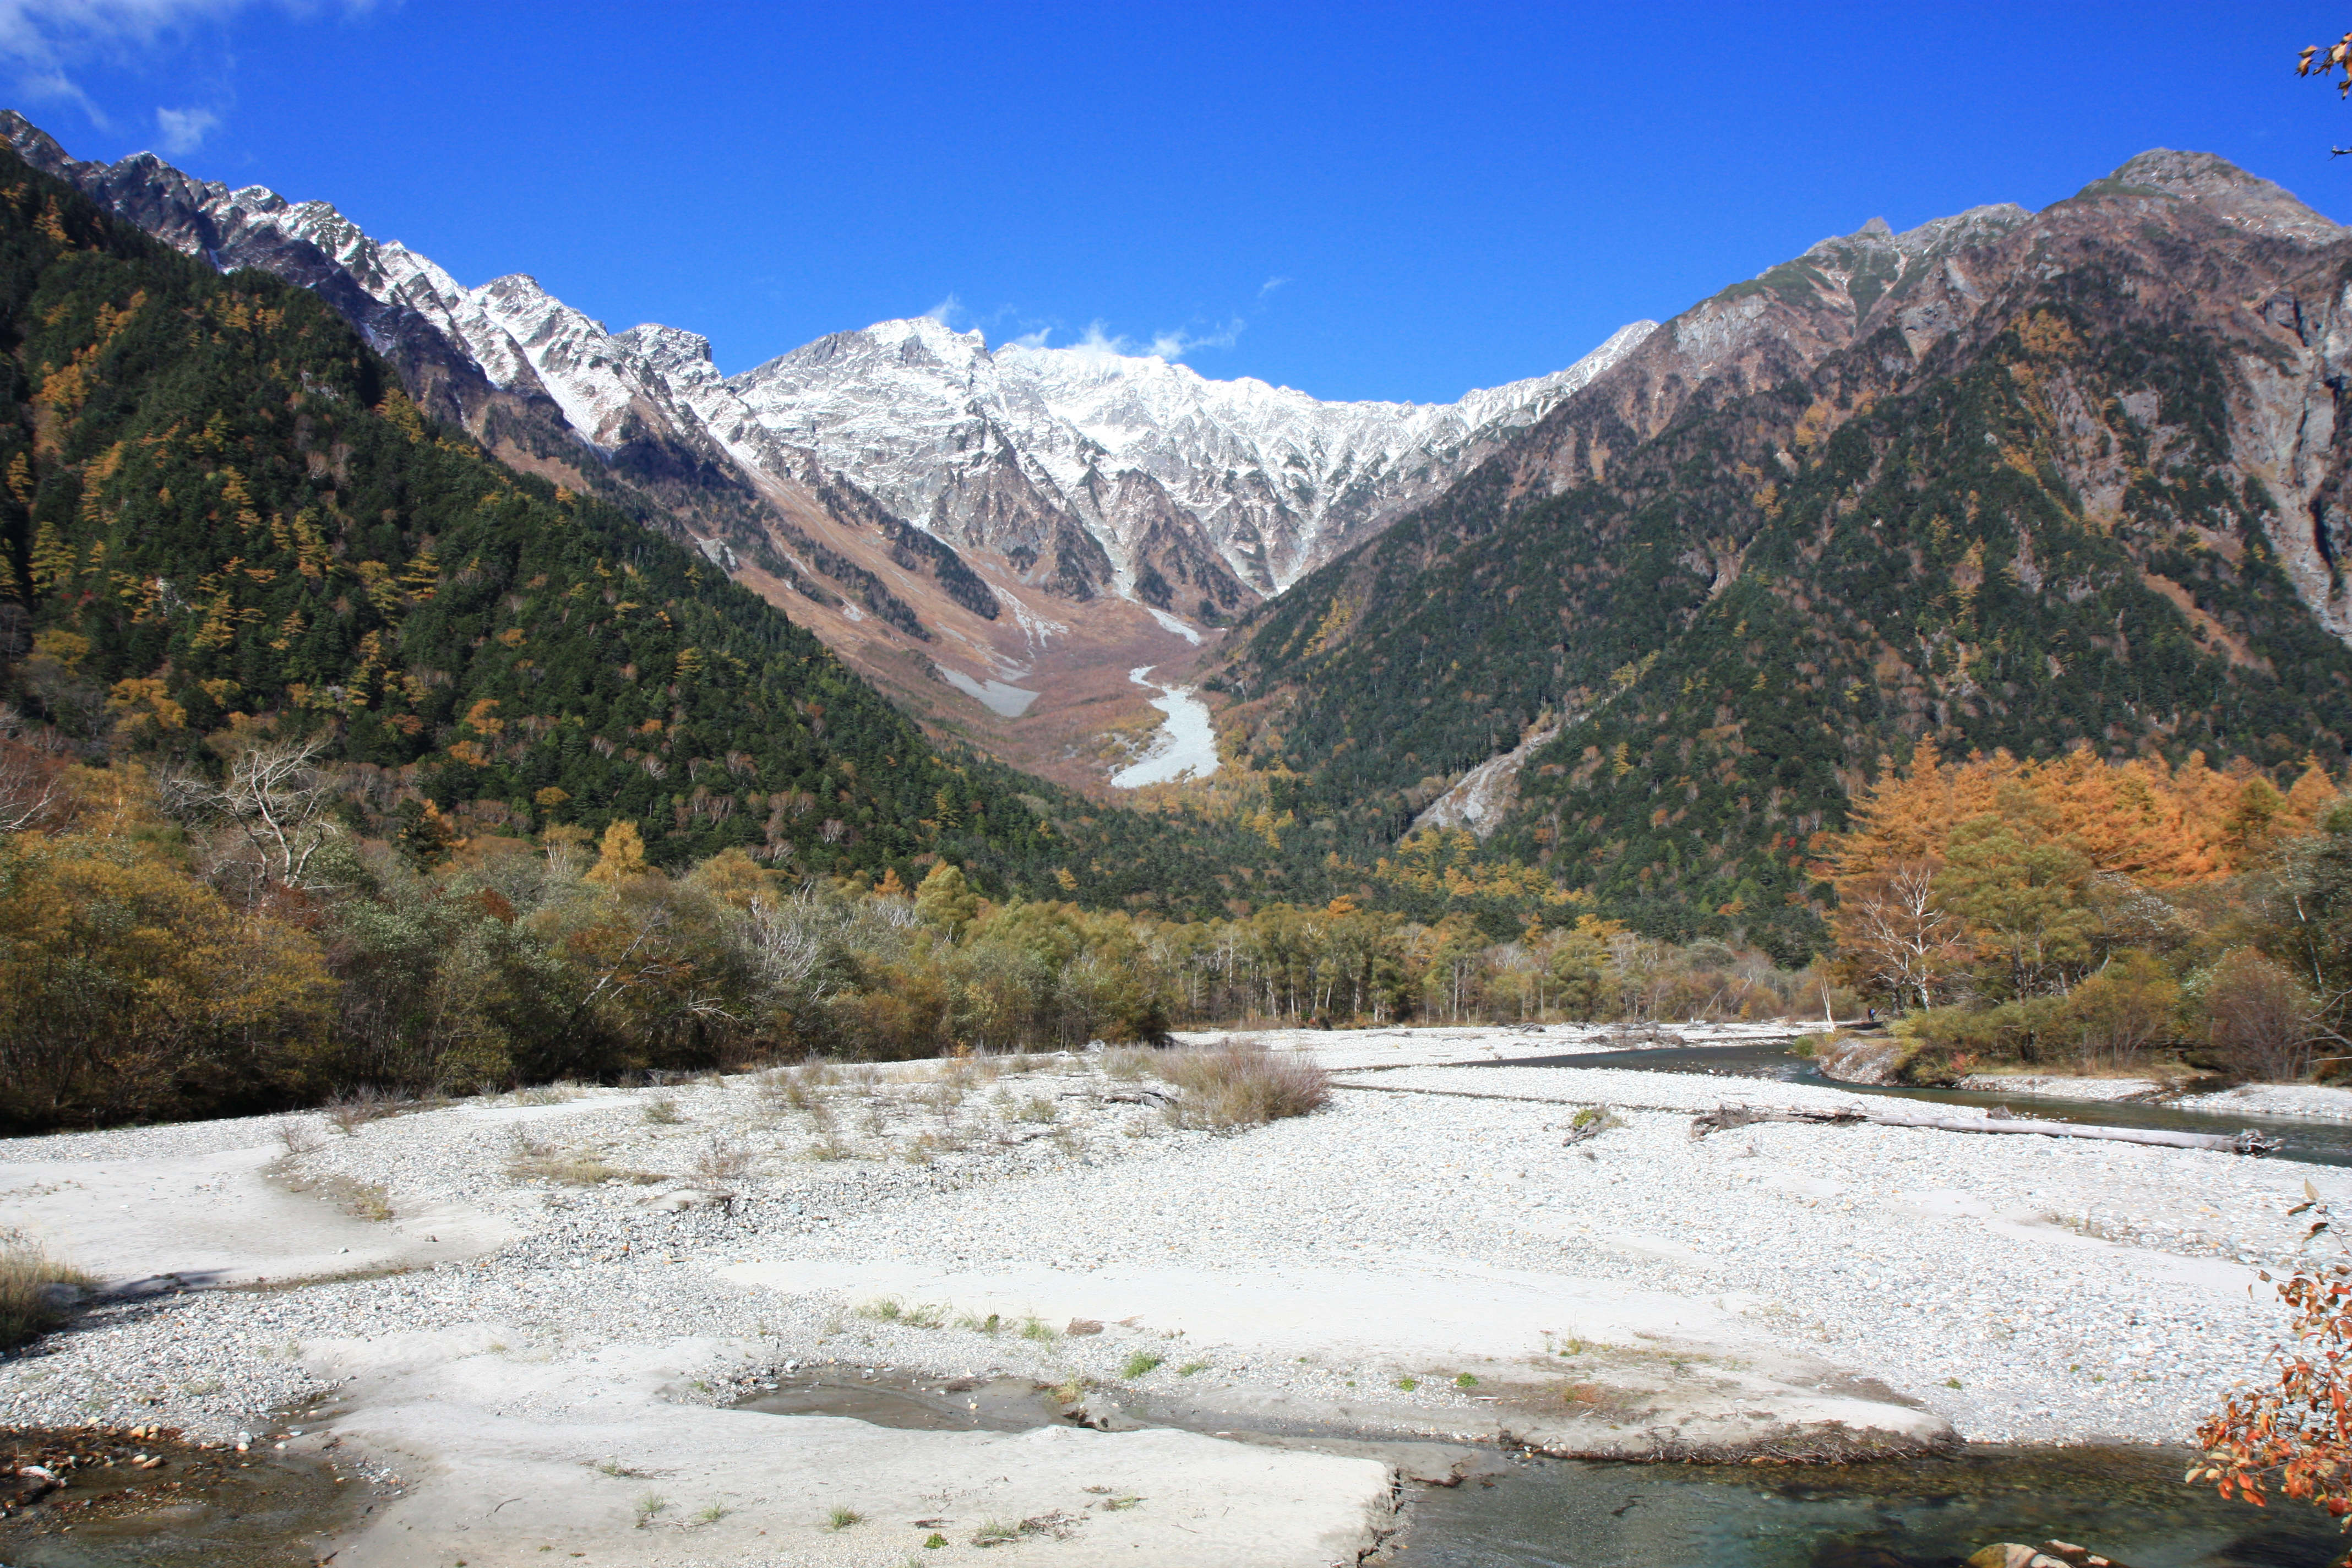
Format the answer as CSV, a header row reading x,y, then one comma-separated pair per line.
x,y
2128,1504
1931,1513
199,1508
2311,1143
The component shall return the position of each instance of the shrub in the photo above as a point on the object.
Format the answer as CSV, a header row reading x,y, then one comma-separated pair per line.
x,y
2261,1020
1241,1084
2128,1006
36,1292
718,1163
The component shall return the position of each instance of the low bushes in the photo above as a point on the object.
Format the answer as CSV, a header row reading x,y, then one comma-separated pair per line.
x,y
1241,1084
36,1292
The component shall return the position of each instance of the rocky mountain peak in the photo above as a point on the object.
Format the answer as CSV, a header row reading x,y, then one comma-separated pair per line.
x,y
2247,201
671,351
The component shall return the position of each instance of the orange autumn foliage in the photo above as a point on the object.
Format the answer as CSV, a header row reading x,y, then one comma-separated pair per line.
x,y
2158,824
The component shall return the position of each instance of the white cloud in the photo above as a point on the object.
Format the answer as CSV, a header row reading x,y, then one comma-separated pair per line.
x,y
1172,344
1270,285
1179,342
1036,339
182,129
945,311
42,42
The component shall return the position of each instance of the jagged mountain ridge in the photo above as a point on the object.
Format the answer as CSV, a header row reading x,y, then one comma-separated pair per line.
x,y
1089,471
2072,478
982,445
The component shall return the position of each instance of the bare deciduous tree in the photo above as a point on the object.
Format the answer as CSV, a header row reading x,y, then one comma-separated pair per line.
x,y
31,785
1897,933
273,805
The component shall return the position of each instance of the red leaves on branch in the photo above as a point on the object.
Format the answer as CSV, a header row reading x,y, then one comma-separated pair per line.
x,y
2294,1435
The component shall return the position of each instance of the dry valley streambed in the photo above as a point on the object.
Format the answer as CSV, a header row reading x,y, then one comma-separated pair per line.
x,y
1421,1279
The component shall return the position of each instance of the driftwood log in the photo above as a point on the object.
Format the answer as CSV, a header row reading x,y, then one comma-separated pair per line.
x,y
1723,1118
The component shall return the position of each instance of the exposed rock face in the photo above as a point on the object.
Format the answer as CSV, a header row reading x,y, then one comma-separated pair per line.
x,y
1089,472
997,445
1864,1059
1482,797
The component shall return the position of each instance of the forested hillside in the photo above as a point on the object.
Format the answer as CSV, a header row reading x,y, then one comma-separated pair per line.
x,y
221,515
2040,525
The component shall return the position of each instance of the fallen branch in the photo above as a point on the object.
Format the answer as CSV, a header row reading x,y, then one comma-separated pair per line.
x,y
1726,1117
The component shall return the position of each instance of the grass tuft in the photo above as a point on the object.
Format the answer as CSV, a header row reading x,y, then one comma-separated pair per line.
x,y
1140,1364
663,1112
842,1518
530,1161
37,1292
1241,1084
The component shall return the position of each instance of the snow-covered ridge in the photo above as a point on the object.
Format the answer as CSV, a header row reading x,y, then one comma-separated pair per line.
x,y
1016,449
918,414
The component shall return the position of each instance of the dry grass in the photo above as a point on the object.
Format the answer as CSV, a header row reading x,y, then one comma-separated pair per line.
x,y
718,1165
37,1292
535,1161
361,1200
355,1108
1241,1084
1127,1063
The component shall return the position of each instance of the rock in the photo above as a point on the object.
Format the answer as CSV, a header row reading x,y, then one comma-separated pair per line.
x,y
688,1198
2049,1554
1079,1327
1862,1059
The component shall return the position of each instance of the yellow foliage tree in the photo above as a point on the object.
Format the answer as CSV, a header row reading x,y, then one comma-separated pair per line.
x,y
130,989
621,856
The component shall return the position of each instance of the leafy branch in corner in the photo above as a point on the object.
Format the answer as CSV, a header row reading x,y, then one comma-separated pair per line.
x,y
2296,1435
2333,62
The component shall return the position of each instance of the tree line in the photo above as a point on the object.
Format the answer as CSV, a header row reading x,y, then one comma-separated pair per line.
x,y
2072,911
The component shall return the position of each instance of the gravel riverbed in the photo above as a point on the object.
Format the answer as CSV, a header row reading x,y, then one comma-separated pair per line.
x,y
2023,1289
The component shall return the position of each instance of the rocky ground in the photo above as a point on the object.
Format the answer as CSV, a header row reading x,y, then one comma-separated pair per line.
x,y
531,1310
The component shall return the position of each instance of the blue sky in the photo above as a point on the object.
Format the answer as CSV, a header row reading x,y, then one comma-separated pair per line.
x,y
1362,201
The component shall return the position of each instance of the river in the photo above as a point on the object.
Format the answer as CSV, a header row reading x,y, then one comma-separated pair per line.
x,y
2308,1141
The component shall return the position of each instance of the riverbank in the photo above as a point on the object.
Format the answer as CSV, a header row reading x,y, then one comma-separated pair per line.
x,y
1424,1260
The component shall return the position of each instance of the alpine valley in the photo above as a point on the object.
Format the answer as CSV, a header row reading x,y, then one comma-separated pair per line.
x,y
987,536
2007,479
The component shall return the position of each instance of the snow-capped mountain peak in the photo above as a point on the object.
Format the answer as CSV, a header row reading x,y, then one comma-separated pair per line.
x,y
1088,469
924,416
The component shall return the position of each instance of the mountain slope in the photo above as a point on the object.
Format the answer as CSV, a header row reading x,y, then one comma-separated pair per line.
x,y
2076,481
219,506
1045,519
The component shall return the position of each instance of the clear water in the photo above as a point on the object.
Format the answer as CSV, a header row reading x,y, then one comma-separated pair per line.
x,y
202,1509
1930,1512
2125,1504
2311,1143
